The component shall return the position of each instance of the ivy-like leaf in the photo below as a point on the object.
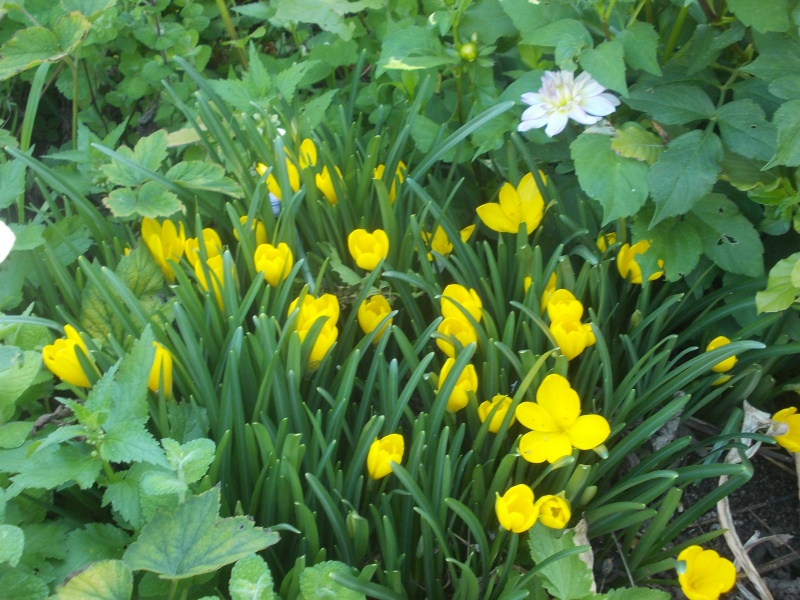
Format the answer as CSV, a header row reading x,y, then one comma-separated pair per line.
x,y
684,173
568,578
606,65
783,286
251,579
193,539
745,130
104,580
618,183
672,104
634,141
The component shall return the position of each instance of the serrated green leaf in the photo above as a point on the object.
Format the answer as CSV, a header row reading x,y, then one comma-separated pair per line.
x,y
89,8
200,175
13,435
745,130
606,65
104,580
411,48
672,104
286,81
675,241
781,290
52,466
23,586
29,235
569,38
634,141
12,542
316,583
329,15
151,200
193,539
251,579
488,20
568,578
345,273
151,151
787,121
190,460
12,181
70,29
158,483
762,16
708,42
640,42
684,173
314,110
130,442
18,370
618,183
124,495
92,543
134,371
527,16
637,593
729,238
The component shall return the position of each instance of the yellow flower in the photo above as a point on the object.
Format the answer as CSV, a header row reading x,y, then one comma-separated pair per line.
x,y
605,241
325,184
515,509
310,310
503,404
523,205
399,177
260,229
212,242
704,574
162,367
459,328
791,439
556,423
554,511
383,452
165,242
368,249
456,300
274,262
440,243
371,312
627,265
572,337
61,357
724,365
216,271
272,183
467,382
562,306
308,153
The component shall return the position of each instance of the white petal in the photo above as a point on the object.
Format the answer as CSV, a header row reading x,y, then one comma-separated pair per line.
x,y
531,98
527,124
576,113
534,112
598,106
7,238
556,124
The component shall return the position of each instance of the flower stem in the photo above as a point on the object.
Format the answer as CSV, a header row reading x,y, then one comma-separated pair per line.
x,y
676,30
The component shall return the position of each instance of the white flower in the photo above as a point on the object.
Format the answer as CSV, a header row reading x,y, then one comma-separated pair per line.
x,y
6,240
563,97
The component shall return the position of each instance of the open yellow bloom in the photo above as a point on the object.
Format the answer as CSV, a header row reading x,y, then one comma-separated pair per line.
x,y
523,205
572,337
255,224
791,439
563,306
705,574
368,249
275,262
399,177
459,328
456,300
515,509
162,368
310,310
371,312
383,452
211,241
216,272
440,243
503,404
557,424
325,184
627,265
272,183
467,382
165,242
61,357
554,511
724,365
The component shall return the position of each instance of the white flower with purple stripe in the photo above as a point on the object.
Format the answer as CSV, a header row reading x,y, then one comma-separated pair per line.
x,y
563,97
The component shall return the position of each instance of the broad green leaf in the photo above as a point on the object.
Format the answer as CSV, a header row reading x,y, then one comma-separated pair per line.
x,y
12,542
91,543
488,20
411,48
329,15
781,290
151,200
287,81
18,371
569,37
104,580
637,593
12,182
251,579
190,460
29,235
787,120
134,371
787,88
256,10
566,579
316,583
672,104
729,238
200,175
314,110
130,442
634,141
675,241
745,130
779,59
193,539
762,16
151,151
158,483
684,173
527,16
20,585
746,174
708,42
88,8
618,183
140,273
124,495
70,29
52,467
606,65
13,435
640,42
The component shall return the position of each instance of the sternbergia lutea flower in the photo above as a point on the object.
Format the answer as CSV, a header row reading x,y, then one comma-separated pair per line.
x,y
562,97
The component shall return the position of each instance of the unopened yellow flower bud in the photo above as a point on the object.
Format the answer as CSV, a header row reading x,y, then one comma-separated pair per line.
x,y
61,357
382,453
724,365
274,262
516,509
503,404
467,382
165,242
371,312
368,249
161,371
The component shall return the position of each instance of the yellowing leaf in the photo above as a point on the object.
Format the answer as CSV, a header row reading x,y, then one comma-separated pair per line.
x,y
104,580
634,141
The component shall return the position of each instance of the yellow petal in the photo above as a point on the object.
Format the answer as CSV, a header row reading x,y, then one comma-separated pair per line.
x,y
588,431
536,418
558,398
537,447
495,219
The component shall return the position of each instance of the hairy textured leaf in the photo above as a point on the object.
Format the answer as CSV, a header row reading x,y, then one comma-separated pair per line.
x,y
672,104
745,130
606,65
193,539
762,16
781,290
568,578
640,42
104,580
684,173
130,442
634,141
251,579
618,183
787,120
190,460
316,583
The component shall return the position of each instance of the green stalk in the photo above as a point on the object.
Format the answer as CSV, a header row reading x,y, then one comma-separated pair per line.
x,y
226,18
676,30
